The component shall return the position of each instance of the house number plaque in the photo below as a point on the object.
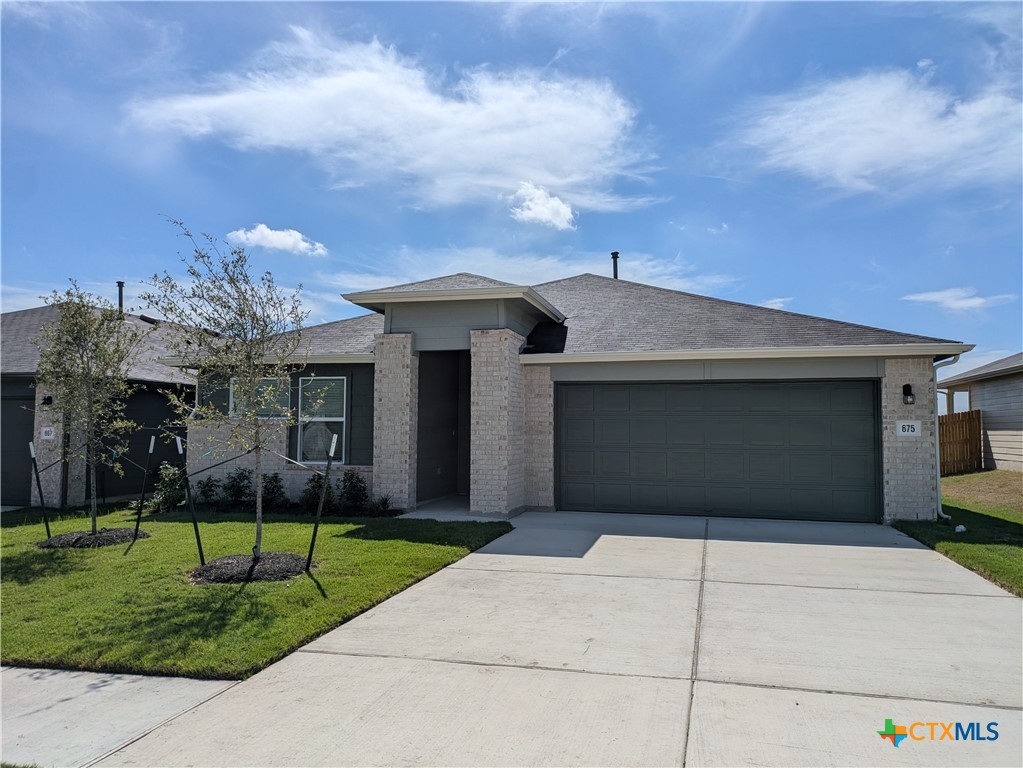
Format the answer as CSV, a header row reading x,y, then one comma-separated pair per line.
x,y
908,429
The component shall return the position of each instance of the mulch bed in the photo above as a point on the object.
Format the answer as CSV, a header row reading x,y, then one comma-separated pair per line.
x,y
105,537
238,569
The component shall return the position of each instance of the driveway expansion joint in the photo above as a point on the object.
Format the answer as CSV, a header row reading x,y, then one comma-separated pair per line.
x,y
458,567
148,731
696,644
861,589
503,665
859,694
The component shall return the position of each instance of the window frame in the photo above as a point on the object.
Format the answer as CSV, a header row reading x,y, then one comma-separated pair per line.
x,y
341,457
230,399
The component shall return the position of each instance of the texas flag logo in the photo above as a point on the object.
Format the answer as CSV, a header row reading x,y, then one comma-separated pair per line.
x,y
894,733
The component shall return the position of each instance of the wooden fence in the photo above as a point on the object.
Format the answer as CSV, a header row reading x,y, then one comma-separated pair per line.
x,y
960,443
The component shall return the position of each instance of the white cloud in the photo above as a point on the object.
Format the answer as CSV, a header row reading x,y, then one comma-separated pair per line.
x,y
290,240
538,206
777,303
409,265
960,299
888,130
368,115
722,230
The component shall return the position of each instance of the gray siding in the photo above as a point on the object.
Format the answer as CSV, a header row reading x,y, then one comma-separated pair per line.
x,y
1000,402
440,326
18,420
723,370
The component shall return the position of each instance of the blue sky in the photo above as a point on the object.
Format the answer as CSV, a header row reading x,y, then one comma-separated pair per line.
x,y
860,161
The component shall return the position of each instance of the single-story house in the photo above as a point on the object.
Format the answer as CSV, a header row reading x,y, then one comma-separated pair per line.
x,y
30,415
599,394
996,390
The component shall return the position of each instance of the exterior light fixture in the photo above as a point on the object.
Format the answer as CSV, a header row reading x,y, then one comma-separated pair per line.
x,y
907,394
47,400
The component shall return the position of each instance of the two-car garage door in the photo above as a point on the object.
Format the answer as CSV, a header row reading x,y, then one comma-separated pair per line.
x,y
807,450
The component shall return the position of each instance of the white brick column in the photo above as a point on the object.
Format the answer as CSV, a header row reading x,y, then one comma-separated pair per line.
x,y
497,453
539,437
908,464
395,418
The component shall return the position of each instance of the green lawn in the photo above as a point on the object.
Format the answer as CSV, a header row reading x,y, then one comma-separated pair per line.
x,y
990,505
133,608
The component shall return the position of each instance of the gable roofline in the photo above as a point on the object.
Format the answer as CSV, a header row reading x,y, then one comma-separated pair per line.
x,y
377,300
938,351
1006,366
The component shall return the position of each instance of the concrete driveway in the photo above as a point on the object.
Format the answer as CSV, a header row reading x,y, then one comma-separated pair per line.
x,y
588,639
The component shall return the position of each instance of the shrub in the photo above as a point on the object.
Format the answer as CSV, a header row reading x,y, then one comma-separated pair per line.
x,y
380,508
274,496
310,496
353,490
238,487
170,488
208,490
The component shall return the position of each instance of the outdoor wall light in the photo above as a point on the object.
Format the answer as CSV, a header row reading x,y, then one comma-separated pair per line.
x,y
47,400
907,394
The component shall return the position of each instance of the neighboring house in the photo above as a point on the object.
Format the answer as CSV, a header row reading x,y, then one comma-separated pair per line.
x,y
996,390
598,394
26,417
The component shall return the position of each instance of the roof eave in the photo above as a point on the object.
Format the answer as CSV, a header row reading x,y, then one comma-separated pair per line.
x,y
956,381
936,350
376,300
344,357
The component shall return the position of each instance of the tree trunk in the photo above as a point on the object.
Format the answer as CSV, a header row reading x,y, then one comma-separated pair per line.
x,y
92,480
258,549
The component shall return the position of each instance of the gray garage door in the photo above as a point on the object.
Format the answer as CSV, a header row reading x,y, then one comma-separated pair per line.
x,y
806,450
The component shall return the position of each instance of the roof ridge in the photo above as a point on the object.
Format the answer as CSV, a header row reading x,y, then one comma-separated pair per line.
x,y
732,302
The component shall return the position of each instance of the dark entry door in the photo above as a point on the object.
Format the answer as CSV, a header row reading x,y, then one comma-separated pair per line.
x,y
805,450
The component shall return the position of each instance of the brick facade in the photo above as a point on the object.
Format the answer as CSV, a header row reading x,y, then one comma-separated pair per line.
x,y
908,464
497,402
539,437
49,451
395,418
208,445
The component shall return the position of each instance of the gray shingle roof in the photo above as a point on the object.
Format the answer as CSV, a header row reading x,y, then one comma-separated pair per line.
x,y
446,283
1005,366
19,355
342,337
607,315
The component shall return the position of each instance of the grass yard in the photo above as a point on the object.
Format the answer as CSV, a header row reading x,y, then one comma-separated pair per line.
x,y
132,608
990,505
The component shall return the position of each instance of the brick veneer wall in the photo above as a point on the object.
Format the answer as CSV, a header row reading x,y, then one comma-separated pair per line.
x,y
207,445
395,418
497,403
49,451
908,464
539,437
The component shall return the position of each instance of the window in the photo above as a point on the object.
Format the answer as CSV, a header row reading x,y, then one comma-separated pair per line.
x,y
321,415
272,395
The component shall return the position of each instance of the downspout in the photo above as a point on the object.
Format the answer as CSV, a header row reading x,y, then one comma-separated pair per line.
x,y
937,443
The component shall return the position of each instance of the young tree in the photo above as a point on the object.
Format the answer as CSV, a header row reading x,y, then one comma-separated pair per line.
x,y
247,333
83,364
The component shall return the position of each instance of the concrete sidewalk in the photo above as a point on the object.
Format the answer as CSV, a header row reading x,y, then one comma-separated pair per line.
x,y
588,639
60,718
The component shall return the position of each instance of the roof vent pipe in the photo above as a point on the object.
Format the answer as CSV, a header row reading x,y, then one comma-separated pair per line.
x,y
120,297
614,263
